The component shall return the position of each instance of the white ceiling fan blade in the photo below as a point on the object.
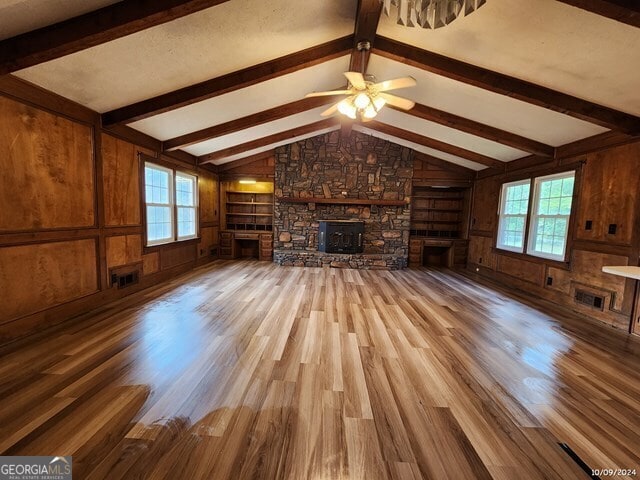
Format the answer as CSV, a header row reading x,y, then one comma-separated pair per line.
x,y
356,79
328,93
403,82
396,101
331,110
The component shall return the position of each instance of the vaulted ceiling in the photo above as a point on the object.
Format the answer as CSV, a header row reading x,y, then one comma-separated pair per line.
x,y
224,80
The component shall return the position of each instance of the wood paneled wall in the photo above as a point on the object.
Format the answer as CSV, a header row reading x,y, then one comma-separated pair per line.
x,y
607,192
70,211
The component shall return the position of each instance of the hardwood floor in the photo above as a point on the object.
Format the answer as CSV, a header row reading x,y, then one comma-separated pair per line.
x,y
248,370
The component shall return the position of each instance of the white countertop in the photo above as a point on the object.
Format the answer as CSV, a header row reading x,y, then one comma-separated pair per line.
x,y
623,271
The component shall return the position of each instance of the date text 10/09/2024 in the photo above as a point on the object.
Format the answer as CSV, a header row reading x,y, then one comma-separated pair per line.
x,y
613,472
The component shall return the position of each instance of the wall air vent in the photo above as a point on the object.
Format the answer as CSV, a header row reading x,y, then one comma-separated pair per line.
x,y
123,280
589,299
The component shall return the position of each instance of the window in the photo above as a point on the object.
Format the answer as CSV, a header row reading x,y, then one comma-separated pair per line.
x,y
550,218
171,205
546,226
514,204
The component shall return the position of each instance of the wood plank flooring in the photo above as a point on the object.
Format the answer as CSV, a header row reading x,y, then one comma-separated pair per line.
x,y
244,370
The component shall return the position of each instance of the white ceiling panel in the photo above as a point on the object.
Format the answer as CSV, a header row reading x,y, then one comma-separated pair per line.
x,y
274,145
419,148
219,40
545,42
21,16
483,106
449,135
240,103
259,131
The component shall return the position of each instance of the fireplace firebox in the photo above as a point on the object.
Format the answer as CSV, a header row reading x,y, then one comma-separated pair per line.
x,y
341,236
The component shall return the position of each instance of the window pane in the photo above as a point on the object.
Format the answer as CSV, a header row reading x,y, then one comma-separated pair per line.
x,y
185,190
186,222
158,223
551,219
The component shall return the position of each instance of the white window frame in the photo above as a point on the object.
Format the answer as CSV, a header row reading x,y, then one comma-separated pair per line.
x,y
194,207
173,174
502,216
534,217
171,206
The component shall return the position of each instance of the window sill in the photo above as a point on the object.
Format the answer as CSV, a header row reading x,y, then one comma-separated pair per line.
x,y
165,246
562,264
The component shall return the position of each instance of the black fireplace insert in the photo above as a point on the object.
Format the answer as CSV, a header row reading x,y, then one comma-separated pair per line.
x,y
341,236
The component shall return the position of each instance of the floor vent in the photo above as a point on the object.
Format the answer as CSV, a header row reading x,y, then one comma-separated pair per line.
x,y
589,299
581,463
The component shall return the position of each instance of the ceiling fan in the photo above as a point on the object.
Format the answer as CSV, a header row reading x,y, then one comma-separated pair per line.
x,y
366,98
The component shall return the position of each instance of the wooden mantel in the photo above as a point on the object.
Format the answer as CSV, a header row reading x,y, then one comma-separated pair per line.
x,y
342,201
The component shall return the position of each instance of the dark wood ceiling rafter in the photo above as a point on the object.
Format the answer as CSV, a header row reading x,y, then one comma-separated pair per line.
x,y
434,144
625,11
230,82
479,130
241,162
367,19
249,121
94,28
269,140
438,162
506,85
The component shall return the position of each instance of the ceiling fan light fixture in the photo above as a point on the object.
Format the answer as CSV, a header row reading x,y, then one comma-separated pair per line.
x,y
362,100
346,107
430,14
378,103
370,111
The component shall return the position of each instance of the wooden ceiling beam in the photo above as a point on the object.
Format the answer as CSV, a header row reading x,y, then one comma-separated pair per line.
x,y
506,85
625,11
249,121
241,162
435,144
230,82
91,29
367,18
269,140
444,164
479,130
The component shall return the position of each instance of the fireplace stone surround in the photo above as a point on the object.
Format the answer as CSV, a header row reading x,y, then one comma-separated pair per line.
x,y
343,179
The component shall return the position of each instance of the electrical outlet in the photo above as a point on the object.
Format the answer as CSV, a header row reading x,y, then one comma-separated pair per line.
x,y
549,280
613,228
588,225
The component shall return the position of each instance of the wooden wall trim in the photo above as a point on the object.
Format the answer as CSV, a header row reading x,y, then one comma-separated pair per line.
x,y
35,96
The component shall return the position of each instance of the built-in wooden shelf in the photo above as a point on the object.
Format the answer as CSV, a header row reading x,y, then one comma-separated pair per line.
x,y
342,201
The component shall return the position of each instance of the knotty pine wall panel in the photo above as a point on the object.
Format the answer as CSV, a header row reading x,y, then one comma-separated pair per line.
x,y
586,269
531,272
39,276
208,238
177,255
209,198
47,167
607,192
123,250
480,251
121,179
485,204
150,263
610,187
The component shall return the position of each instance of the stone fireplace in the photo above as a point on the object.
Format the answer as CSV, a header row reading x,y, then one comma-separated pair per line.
x,y
360,179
